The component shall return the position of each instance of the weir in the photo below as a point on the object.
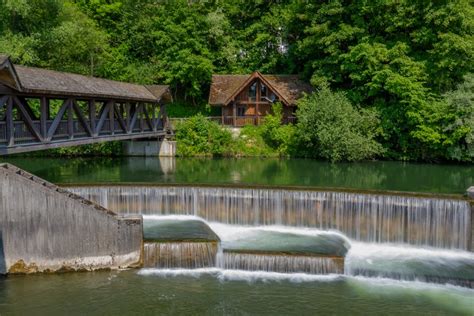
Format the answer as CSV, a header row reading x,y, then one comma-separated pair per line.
x,y
188,255
281,263
178,243
441,222
44,228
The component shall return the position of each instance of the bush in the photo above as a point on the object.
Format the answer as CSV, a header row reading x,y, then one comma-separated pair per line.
x,y
329,127
197,136
250,143
277,136
459,121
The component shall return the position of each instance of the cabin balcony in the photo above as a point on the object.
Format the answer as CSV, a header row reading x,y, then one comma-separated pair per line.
x,y
228,121
240,121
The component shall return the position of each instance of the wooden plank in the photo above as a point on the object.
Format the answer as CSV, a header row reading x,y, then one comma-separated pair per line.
x,y
44,115
164,116
25,114
70,121
135,117
234,113
111,117
54,126
158,123
9,121
127,117
147,117
103,116
81,118
118,114
92,117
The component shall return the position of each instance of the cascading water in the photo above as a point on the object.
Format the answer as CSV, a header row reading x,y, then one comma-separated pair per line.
x,y
281,263
189,255
410,264
421,221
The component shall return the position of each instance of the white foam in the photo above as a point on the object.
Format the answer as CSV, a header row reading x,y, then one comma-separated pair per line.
x,y
403,284
228,232
371,250
240,275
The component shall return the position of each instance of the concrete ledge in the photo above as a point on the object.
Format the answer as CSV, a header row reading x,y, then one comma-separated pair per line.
x,y
150,148
44,228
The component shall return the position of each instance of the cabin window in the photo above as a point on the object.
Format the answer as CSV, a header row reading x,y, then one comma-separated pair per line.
x,y
263,92
241,111
253,91
272,97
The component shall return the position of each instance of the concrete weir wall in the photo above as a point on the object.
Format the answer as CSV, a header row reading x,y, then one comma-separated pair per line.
x,y
44,228
470,195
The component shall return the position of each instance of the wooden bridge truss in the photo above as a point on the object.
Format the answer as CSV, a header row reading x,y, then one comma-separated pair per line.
x,y
73,121
35,118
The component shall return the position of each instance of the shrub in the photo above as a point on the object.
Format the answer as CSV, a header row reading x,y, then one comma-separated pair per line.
x,y
250,143
329,127
459,121
197,136
277,136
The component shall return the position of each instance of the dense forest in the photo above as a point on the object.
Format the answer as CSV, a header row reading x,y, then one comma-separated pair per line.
x,y
405,66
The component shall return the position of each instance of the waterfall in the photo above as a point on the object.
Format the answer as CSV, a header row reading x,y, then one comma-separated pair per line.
x,y
411,264
379,218
281,263
189,255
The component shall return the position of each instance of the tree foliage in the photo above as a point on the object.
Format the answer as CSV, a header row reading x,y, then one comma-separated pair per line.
x,y
329,127
407,60
197,136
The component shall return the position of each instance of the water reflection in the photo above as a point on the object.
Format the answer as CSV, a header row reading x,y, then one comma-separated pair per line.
x,y
300,172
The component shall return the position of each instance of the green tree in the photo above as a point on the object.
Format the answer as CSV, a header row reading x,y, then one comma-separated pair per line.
x,y
459,122
197,136
329,127
397,56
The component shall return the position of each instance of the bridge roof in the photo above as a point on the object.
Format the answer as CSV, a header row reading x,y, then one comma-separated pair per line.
x,y
48,82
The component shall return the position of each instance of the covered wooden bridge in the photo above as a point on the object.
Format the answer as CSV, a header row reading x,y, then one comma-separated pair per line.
x,y
42,109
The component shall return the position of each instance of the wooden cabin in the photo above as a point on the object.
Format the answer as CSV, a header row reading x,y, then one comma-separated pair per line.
x,y
247,99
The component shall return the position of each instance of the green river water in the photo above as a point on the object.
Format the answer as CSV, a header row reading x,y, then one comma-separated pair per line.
x,y
383,175
227,292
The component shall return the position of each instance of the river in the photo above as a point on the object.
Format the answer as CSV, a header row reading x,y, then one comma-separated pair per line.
x,y
383,273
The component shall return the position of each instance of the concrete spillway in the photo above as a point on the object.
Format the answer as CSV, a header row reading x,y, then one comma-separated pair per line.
x,y
44,228
441,222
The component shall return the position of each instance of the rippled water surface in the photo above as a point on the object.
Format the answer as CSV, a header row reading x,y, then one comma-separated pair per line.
x,y
213,291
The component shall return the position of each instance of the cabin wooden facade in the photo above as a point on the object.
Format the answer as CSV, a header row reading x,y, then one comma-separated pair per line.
x,y
247,99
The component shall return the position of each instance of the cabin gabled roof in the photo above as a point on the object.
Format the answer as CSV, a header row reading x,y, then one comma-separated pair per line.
x,y
43,81
225,88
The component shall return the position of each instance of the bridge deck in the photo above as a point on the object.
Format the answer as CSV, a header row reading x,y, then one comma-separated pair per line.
x,y
42,109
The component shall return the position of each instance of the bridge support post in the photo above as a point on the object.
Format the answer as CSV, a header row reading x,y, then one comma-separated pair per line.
x,y
150,148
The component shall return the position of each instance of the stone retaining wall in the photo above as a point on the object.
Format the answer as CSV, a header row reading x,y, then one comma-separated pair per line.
x,y
44,228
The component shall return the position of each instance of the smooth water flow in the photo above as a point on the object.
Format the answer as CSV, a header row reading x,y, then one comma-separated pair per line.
x,y
188,255
374,218
281,263
311,251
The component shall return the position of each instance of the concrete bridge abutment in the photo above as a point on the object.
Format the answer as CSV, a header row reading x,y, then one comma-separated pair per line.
x,y
150,148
